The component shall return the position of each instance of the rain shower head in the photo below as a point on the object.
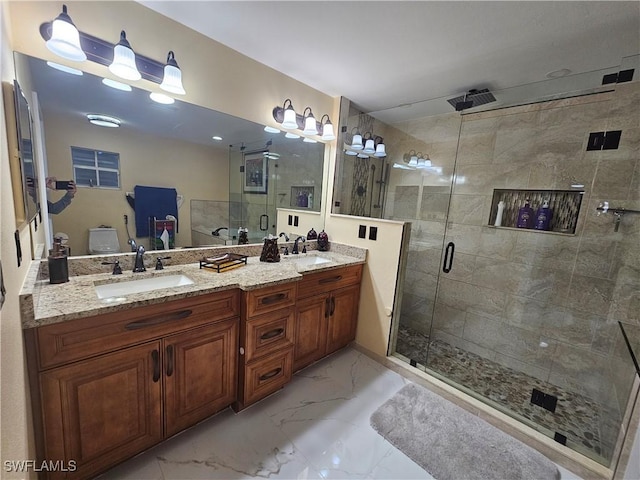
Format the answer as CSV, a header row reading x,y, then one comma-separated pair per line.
x,y
473,98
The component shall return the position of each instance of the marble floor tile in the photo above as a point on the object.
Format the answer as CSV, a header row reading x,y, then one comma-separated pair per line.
x,y
317,427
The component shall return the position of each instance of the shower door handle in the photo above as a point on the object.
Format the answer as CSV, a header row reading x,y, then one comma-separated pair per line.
x,y
448,257
264,217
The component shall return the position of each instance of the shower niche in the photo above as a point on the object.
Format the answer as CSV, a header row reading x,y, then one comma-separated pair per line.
x,y
564,204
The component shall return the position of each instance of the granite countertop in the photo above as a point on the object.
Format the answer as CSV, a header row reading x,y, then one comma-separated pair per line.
x,y
77,298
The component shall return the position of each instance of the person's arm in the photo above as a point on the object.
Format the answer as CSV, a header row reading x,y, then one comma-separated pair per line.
x,y
60,205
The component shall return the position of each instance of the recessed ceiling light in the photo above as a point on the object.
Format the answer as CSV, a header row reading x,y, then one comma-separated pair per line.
x,y
291,135
563,72
103,120
161,98
117,85
64,68
217,138
269,129
577,185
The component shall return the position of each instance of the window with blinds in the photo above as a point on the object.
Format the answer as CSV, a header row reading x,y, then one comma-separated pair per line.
x,y
95,168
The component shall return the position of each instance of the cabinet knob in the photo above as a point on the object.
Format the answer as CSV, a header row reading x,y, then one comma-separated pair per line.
x,y
241,350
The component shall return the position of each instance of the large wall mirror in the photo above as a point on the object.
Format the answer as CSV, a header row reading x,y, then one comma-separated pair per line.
x,y
228,172
20,137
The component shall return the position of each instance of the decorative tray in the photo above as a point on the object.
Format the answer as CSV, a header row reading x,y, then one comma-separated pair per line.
x,y
224,262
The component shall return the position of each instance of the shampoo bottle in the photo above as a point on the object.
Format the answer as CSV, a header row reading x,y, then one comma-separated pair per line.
x,y
543,217
525,216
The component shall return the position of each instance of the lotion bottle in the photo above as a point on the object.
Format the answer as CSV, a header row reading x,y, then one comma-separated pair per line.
x,y
525,216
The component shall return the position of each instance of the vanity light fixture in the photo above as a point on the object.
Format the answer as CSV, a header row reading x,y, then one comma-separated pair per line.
x,y
62,38
327,128
369,146
287,118
161,98
356,140
172,80
103,120
117,85
65,38
380,148
309,122
124,60
65,69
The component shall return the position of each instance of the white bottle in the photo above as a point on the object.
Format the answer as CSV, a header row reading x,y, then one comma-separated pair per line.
x,y
310,199
499,214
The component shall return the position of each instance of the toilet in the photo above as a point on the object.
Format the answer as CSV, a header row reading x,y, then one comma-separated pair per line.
x,y
103,241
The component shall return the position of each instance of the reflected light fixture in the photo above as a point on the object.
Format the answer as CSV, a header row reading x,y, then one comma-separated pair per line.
x,y
161,98
172,80
309,140
327,129
291,135
65,69
217,138
356,141
380,149
117,85
103,120
309,122
124,60
269,129
369,146
289,120
351,153
65,39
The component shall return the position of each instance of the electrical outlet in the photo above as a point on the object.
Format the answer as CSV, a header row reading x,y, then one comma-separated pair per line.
x,y
362,231
295,221
544,400
373,233
290,219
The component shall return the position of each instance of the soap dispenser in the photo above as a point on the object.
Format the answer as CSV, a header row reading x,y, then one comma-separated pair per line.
x,y
525,216
543,217
57,260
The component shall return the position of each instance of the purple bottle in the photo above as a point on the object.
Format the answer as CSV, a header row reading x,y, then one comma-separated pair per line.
x,y
525,216
543,217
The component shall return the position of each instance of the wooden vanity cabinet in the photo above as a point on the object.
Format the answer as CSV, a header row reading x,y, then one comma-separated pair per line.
x,y
108,387
326,313
266,342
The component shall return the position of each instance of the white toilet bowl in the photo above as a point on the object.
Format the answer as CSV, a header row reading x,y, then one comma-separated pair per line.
x,y
103,241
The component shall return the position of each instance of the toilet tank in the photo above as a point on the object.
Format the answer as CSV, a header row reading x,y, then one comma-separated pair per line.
x,y
103,241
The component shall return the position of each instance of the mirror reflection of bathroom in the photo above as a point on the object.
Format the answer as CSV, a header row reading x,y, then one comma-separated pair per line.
x,y
194,153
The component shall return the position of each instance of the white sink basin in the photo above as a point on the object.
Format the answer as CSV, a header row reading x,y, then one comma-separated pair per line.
x,y
312,260
121,289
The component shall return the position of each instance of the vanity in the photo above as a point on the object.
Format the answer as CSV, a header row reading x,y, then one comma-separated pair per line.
x,y
111,377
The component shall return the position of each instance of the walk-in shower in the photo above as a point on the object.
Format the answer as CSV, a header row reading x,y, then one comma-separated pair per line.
x,y
525,319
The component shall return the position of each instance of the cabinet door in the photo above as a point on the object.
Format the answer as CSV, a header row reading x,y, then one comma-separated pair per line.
x,y
101,411
200,373
311,330
343,318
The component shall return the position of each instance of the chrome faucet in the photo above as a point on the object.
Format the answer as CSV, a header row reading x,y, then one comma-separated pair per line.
x,y
138,266
295,245
132,242
216,232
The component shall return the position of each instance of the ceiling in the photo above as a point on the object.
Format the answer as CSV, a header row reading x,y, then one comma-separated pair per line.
x,y
398,59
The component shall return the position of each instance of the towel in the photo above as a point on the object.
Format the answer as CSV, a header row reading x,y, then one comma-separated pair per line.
x,y
153,202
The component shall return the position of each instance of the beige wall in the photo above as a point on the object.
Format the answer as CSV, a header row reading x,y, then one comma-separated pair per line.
x,y
195,171
16,441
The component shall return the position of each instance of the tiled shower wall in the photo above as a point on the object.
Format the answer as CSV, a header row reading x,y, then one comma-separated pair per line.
x,y
541,303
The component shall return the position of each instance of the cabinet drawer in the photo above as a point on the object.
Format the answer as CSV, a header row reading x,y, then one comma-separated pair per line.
x,y
86,337
270,299
264,377
323,282
268,333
